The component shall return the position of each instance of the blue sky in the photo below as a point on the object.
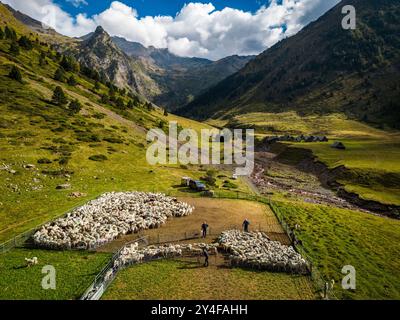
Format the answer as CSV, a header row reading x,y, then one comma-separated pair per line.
x,y
210,29
156,7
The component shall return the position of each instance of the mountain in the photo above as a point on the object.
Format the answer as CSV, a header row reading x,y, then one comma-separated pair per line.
x,y
158,75
180,78
98,51
323,69
33,24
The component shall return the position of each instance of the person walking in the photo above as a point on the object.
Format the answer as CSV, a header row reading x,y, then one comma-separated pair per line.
x,y
246,224
206,256
204,228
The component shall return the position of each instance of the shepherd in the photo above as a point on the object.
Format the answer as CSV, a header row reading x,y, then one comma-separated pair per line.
x,y
204,228
206,256
246,224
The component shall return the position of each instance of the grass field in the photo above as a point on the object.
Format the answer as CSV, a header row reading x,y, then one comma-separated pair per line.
x,y
185,280
335,237
335,125
74,272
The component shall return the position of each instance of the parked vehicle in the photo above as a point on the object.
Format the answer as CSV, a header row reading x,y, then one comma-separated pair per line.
x,y
197,185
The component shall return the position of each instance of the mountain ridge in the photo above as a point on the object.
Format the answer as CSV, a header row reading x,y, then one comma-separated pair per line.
x,y
322,69
155,74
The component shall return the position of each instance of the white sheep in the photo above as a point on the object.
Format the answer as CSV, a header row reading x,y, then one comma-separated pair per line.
x,y
31,262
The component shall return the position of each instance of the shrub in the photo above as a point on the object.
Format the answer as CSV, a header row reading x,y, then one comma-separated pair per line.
x,y
25,42
75,106
14,48
42,59
229,185
59,97
15,74
98,157
209,179
89,138
69,64
10,33
59,75
44,161
99,115
113,140
105,99
130,104
72,81
96,86
120,103
64,161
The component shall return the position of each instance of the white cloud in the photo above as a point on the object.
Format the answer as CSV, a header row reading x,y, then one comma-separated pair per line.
x,y
197,30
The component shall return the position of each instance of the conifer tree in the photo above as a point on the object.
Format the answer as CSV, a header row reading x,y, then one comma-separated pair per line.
x,y
15,74
74,106
59,75
59,97
14,48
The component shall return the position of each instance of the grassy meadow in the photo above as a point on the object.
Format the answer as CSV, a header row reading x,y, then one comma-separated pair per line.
x,y
75,270
186,280
335,237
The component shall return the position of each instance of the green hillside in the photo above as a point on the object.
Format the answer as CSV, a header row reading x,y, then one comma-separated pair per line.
x,y
45,144
323,69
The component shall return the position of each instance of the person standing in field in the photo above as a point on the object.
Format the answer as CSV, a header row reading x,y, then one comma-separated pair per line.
x,y
204,228
206,256
246,224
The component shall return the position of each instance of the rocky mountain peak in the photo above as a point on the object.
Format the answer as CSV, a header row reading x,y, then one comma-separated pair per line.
x,y
100,31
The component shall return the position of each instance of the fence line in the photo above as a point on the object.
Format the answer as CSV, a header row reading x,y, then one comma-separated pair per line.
x,y
319,281
107,275
22,238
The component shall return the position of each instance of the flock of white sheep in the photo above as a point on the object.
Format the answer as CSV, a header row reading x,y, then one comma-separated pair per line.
x,y
103,220
133,254
255,250
247,249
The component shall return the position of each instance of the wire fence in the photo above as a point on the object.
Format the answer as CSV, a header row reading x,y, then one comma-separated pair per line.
x,y
107,275
163,238
320,283
22,239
